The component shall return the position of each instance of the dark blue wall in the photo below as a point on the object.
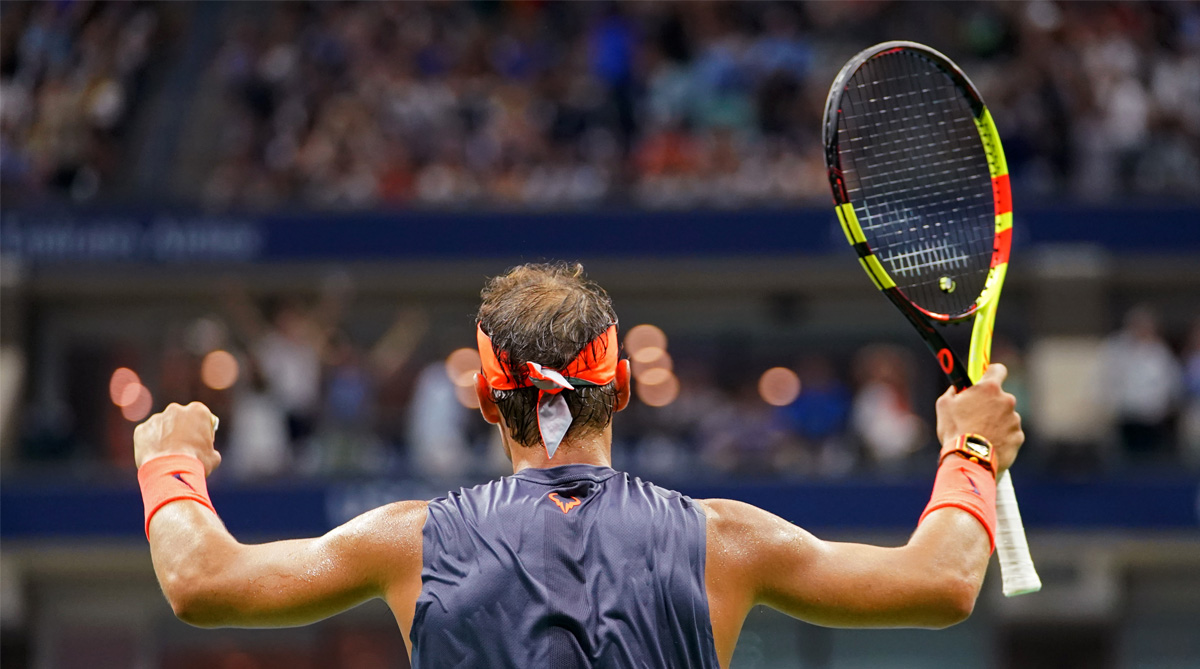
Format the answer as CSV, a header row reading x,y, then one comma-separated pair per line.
x,y
50,237
37,509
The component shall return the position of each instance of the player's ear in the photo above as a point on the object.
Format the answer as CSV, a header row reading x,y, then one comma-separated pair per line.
x,y
622,384
483,392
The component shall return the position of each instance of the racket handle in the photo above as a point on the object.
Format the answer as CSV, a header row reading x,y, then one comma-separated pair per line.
x,y
1016,566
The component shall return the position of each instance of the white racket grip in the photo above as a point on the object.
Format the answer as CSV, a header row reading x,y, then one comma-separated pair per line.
x,y
1016,566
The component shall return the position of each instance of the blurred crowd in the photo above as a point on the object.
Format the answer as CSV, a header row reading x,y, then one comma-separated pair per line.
x,y
547,104
302,390
72,76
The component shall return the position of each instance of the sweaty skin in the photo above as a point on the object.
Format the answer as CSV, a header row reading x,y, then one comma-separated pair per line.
x,y
753,557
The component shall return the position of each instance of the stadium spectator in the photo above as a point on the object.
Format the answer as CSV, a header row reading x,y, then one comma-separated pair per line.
x,y
819,416
882,416
1190,424
741,437
288,349
1144,382
348,437
437,426
259,443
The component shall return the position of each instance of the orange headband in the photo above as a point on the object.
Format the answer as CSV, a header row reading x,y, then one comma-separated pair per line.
x,y
596,365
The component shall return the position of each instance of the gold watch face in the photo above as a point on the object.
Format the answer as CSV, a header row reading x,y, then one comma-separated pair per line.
x,y
982,451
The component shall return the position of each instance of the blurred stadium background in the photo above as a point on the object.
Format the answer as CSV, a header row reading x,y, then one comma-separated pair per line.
x,y
286,211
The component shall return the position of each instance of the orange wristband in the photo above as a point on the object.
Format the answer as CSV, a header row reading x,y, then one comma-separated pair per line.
x,y
168,478
968,486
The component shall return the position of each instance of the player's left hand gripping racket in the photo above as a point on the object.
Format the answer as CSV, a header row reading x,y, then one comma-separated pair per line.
x,y
922,193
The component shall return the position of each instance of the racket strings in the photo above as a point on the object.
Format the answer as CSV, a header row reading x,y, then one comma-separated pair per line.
x,y
917,175
903,172
932,256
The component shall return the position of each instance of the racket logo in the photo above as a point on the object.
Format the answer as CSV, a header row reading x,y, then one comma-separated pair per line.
x,y
946,360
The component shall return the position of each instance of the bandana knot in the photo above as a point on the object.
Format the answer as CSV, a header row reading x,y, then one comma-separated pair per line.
x,y
595,365
547,380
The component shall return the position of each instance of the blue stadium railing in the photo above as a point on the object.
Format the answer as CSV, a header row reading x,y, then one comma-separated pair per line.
x,y
41,509
63,236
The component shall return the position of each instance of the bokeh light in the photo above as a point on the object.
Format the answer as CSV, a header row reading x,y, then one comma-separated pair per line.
x,y
644,336
648,354
139,406
129,394
461,366
219,370
122,378
466,396
660,393
663,361
654,377
779,386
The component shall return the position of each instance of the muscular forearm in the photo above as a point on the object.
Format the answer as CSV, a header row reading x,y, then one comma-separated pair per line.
x,y
931,582
951,549
191,551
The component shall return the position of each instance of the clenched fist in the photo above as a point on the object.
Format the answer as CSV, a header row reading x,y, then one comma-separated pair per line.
x,y
183,430
983,409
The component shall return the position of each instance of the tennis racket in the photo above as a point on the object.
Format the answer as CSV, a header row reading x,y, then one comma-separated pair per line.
x,y
921,189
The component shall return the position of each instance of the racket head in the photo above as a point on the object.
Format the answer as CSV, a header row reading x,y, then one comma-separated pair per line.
x,y
919,179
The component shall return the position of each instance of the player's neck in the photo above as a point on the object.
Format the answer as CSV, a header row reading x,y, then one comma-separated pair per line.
x,y
590,450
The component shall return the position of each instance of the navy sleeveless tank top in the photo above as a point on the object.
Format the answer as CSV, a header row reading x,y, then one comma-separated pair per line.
x,y
567,567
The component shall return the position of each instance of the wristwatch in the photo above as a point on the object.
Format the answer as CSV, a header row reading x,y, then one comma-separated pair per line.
x,y
972,447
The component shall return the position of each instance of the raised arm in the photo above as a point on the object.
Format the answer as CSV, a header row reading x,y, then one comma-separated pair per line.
x,y
756,557
249,323
212,580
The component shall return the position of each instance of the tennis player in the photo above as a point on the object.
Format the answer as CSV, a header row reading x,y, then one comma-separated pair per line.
x,y
568,562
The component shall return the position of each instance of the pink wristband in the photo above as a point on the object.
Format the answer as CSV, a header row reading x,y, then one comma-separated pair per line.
x,y
968,486
168,478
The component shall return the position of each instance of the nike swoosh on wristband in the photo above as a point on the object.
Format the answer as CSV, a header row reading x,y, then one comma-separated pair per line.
x,y
179,476
974,488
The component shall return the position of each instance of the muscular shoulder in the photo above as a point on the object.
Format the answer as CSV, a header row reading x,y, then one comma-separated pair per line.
x,y
739,519
405,517
399,522
384,538
395,520
745,538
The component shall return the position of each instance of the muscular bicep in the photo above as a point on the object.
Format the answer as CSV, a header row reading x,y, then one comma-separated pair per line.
x,y
212,580
930,582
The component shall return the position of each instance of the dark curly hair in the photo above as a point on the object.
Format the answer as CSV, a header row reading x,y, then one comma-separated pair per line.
x,y
547,313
